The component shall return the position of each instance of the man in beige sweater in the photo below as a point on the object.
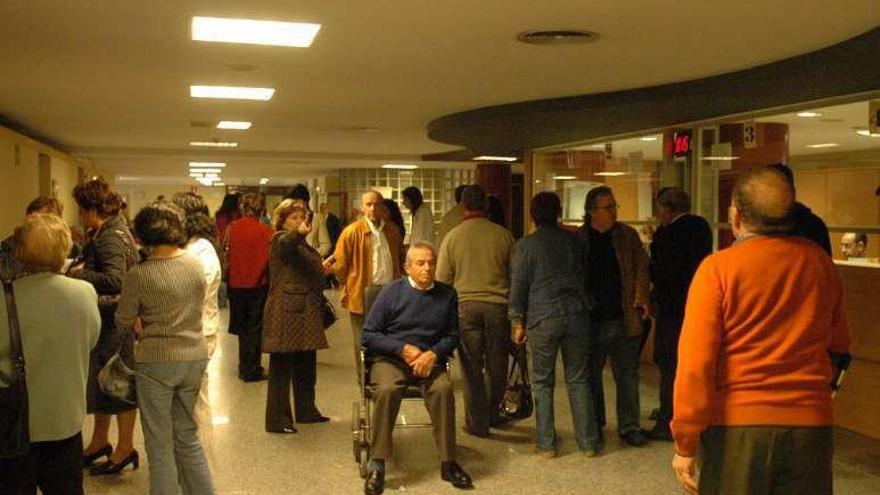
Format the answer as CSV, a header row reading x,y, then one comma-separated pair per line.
x,y
475,258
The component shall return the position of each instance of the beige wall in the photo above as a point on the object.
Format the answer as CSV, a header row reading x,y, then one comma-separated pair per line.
x,y
138,196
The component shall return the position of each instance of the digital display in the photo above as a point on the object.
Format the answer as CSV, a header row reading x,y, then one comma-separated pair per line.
x,y
681,143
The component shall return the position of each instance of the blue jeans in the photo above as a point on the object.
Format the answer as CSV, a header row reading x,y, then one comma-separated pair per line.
x,y
611,341
167,394
569,334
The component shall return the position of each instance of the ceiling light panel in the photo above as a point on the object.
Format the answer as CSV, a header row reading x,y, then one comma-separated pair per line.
x,y
253,32
823,145
207,164
231,92
206,170
213,144
400,166
808,115
231,124
492,158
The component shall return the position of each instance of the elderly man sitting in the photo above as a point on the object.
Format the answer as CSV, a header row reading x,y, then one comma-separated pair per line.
x,y
409,332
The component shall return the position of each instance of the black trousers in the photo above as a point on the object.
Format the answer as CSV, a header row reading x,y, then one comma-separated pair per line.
x,y
246,321
53,467
666,337
285,369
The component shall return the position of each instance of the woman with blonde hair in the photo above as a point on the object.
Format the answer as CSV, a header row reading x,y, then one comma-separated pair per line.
x,y
293,324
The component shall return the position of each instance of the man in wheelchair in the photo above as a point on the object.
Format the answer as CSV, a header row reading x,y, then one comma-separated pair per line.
x,y
410,331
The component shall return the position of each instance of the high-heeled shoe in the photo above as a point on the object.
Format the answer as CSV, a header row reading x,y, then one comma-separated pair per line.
x,y
109,468
89,459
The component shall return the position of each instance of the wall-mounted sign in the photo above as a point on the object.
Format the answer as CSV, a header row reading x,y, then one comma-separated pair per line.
x,y
681,143
750,135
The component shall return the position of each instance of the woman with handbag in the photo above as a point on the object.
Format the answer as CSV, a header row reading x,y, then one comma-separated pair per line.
x,y
162,301
56,345
293,322
106,258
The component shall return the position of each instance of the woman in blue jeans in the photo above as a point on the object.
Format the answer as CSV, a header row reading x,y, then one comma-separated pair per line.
x,y
548,307
161,302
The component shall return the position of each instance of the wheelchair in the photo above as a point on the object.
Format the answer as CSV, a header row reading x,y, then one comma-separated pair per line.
x,y
361,410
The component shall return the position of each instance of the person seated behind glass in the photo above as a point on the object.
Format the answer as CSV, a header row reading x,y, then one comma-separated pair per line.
x,y
854,245
410,331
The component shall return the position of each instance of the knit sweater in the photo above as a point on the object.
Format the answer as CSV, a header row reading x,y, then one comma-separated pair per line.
x,y
403,314
168,295
475,258
760,320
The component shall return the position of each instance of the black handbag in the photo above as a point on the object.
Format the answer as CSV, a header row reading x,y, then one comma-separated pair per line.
x,y
327,312
14,431
517,402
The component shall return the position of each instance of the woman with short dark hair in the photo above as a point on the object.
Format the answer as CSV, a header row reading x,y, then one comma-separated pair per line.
x,y
106,257
293,327
56,346
422,227
548,307
162,301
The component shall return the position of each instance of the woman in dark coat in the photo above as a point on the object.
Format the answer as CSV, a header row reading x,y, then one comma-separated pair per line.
x,y
106,258
293,328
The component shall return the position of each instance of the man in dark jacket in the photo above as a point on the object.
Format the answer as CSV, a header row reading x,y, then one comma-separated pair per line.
x,y
806,224
678,248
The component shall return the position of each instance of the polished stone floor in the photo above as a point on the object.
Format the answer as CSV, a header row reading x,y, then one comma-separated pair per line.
x,y
318,459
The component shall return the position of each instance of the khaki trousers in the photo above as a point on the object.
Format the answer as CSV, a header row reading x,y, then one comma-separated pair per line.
x,y
388,380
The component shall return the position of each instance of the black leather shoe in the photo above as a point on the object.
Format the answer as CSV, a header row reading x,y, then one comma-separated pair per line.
x,y
375,483
634,438
286,430
109,468
660,432
314,418
90,459
453,473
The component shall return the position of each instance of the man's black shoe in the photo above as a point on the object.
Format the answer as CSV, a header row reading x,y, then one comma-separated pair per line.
x,y
655,413
634,438
450,471
659,432
375,483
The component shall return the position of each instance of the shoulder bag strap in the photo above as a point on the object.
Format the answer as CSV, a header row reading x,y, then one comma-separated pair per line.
x,y
16,353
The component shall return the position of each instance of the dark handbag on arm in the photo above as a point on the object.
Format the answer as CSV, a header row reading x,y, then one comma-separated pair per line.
x,y
14,430
327,312
517,402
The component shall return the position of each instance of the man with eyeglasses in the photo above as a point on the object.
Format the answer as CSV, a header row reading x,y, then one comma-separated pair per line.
x,y
618,284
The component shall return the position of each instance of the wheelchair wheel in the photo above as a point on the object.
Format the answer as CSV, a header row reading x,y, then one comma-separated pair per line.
x,y
356,430
364,461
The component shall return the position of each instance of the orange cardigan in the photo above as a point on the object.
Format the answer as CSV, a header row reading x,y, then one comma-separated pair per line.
x,y
354,263
760,320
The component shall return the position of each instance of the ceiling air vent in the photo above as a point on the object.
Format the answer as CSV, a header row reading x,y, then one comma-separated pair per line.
x,y
557,37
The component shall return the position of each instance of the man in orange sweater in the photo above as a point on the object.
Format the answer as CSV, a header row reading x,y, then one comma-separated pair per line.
x,y
763,319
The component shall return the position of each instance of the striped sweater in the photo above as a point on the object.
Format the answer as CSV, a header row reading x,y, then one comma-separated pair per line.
x,y
167,294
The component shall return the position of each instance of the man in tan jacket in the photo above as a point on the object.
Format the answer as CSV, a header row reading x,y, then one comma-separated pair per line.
x,y
368,253
618,283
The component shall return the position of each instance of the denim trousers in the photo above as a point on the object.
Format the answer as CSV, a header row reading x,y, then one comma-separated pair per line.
x,y
485,353
167,394
610,341
568,334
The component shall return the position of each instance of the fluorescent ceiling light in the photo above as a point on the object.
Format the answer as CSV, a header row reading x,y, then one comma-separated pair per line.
x,y
720,158
212,176
565,177
598,145
491,158
231,92
400,166
867,133
231,124
823,145
205,170
264,181
205,181
207,164
609,174
808,114
213,144
648,138
195,175
296,34
219,184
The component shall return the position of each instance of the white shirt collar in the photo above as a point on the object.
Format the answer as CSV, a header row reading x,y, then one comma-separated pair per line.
x,y
416,287
373,227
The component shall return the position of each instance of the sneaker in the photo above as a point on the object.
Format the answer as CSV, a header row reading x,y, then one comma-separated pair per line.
x,y
544,453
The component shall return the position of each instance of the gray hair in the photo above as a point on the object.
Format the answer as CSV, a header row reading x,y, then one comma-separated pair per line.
x,y
419,246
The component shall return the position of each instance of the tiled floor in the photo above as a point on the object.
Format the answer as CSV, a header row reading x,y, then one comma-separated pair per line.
x,y
318,459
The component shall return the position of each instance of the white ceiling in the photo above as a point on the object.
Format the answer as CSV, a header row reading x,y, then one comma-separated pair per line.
x,y
110,79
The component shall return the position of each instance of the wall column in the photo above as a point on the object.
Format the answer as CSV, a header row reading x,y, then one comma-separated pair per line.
x,y
495,179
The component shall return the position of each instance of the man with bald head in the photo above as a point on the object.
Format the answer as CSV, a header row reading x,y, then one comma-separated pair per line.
x,y
763,325
367,253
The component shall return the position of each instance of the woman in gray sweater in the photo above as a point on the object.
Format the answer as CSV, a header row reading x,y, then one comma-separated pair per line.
x,y
162,299
56,341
